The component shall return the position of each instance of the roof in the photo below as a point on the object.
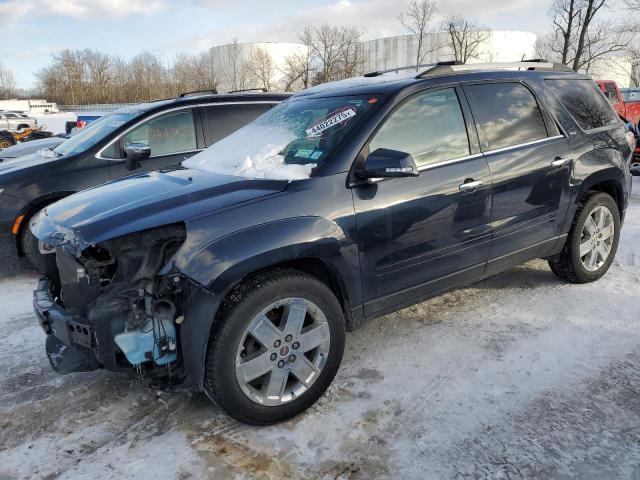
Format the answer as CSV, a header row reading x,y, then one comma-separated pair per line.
x,y
394,80
205,98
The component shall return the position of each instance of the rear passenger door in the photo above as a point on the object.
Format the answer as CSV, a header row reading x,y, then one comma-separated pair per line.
x,y
421,235
530,163
222,120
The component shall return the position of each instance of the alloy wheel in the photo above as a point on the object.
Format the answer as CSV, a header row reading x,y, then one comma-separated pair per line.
x,y
597,238
282,351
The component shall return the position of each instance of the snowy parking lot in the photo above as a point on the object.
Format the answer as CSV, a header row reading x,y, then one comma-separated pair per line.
x,y
519,376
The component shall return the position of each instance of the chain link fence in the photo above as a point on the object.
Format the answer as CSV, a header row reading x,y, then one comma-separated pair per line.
x,y
95,107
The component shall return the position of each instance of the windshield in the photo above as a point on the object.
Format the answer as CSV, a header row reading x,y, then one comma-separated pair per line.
x,y
93,133
288,141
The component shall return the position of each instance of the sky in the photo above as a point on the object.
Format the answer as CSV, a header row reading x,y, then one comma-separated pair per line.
x,y
32,30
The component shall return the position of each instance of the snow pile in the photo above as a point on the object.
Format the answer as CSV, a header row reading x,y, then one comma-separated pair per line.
x,y
253,152
54,122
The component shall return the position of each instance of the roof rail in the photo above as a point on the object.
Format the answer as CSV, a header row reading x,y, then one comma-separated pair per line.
x,y
244,90
444,68
408,67
212,91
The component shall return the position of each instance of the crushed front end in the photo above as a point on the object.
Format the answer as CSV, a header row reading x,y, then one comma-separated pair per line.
x,y
105,306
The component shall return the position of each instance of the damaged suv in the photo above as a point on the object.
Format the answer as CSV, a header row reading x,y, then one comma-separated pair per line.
x,y
240,273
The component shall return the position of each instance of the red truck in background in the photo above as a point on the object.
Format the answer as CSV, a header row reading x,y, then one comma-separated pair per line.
x,y
629,111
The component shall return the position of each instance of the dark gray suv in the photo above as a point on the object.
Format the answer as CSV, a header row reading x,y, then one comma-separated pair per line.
x,y
240,274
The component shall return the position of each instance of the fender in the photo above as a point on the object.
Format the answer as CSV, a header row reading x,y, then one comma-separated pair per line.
x,y
600,167
223,264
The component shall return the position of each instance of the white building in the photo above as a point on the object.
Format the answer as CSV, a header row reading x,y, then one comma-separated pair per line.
x,y
393,52
29,106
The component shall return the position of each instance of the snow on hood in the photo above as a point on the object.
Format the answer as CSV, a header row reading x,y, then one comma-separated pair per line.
x,y
254,154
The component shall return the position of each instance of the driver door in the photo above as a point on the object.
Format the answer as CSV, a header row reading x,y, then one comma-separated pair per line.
x,y
172,138
420,235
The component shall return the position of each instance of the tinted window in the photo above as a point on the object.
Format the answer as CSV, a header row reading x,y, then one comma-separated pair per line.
x,y
429,126
507,114
168,134
226,119
611,92
585,102
95,132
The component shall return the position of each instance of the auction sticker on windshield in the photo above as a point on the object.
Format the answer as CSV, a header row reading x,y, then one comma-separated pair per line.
x,y
337,119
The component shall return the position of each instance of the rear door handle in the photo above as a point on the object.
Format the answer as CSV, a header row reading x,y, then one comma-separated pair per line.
x,y
471,186
560,162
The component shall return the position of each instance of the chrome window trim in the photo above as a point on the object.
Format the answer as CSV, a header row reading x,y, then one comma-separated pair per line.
x,y
520,145
181,107
431,166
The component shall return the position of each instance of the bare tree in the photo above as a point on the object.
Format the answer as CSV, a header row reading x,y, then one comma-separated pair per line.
x,y
465,37
295,71
416,19
264,68
334,51
579,39
7,82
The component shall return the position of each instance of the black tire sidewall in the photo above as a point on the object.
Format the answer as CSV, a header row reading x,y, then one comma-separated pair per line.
x,y
582,274
220,372
30,249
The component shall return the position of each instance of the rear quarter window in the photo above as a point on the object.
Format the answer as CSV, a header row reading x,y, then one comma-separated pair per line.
x,y
584,101
507,114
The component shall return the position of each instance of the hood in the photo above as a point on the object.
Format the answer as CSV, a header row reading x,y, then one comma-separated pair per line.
x,y
141,202
30,147
29,161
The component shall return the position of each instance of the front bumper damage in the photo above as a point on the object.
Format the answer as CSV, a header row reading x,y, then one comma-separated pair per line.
x,y
70,338
107,307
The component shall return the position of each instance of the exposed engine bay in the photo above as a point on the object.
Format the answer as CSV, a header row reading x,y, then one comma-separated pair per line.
x,y
116,312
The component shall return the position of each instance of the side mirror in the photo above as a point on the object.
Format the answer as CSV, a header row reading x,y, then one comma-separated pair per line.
x,y
386,163
135,152
635,169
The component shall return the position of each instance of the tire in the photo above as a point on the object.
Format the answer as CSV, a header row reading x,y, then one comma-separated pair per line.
x,y
22,126
29,244
6,140
577,268
232,347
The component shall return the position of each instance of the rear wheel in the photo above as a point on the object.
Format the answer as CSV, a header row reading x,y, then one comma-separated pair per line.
x,y
592,242
276,348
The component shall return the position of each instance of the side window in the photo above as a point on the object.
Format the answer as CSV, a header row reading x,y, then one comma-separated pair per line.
x,y
223,120
429,126
585,102
507,114
167,134
612,93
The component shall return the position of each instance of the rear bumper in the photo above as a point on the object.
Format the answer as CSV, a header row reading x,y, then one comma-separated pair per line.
x,y
70,338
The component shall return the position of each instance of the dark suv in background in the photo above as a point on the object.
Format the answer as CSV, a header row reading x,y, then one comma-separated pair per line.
x,y
240,274
145,137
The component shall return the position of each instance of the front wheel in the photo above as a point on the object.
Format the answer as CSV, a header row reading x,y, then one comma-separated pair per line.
x,y
276,347
592,242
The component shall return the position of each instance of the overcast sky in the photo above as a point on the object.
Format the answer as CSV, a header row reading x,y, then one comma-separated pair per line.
x,y
31,30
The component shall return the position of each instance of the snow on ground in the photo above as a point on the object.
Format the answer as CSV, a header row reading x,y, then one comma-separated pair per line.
x,y
519,376
54,122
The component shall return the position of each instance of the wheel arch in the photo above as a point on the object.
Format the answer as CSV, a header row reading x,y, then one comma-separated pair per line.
x,y
321,257
32,208
606,182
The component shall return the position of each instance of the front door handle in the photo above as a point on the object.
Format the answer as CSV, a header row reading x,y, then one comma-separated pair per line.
x,y
560,162
470,186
